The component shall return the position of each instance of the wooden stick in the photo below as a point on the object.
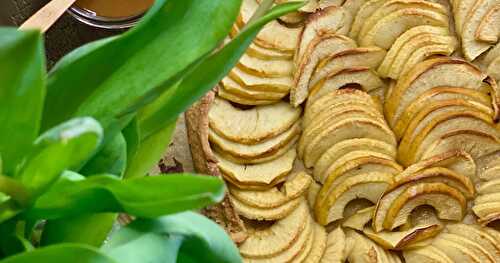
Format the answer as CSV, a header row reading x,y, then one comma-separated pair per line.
x,y
44,18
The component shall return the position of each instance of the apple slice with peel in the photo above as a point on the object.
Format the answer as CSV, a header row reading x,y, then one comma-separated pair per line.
x,y
359,219
436,72
488,29
401,41
366,78
319,245
476,143
264,122
336,99
478,235
274,213
433,96
281,234
399,240
386,30
478,250
248,92
490,187
342,148
335,247
449,203
369,57
259,83
320,47
426,254
457,251
365,250
235,98
364,12
265,68
364,186
344,130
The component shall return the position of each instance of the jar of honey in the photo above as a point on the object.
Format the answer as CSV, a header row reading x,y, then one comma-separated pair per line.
x,y
111,14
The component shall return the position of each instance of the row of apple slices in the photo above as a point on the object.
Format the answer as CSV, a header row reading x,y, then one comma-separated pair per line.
x,y
491,62
477,22
327,58
381,22
346,140
487,203
263,75
441,104
459,243
295,238
255,148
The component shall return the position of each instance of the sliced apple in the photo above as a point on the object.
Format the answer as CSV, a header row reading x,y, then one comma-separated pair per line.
x,y
449,203
431,97
335,116
274,197
265,68
399,240
320,47
492,54
479,251
426,254
471,47
319,245
365,250
274,213
425,52
494,69
448,115
365,186
457,251
439,174
273,35
335,247
329,20
388,29
344,130
359,219
361,162
369,57
437,72
365,77
264,122
476,143
265,148
492,173
488,29
282,234
353,6
394,5
258,174
402,40
267,54
342,148
364,12
235,98
248,92
477,235
276,84
312,193
461,8
489,187
336,99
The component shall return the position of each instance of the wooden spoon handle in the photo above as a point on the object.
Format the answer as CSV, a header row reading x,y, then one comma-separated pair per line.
x,y
44,18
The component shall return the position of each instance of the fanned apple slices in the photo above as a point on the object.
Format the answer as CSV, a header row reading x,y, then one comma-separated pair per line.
x,y
487,203
362,249
459,243
407,51
295,237
492,62
380,22
441,182
478,25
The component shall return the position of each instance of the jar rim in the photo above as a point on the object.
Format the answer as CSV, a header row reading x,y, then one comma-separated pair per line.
x,y
90,18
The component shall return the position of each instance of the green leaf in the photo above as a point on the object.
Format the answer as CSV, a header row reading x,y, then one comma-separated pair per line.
x,y
105,80
73,253
65,146
111,159
144,197
22,82
150,152
201,239
206,75
132,136
89,229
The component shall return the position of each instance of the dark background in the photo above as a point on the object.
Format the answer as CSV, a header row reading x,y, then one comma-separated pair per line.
x,y
65,35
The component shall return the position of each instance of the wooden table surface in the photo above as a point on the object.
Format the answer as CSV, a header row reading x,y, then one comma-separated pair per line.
x,y
64,36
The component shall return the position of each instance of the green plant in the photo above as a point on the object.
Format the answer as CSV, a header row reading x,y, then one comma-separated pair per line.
x,y
76,144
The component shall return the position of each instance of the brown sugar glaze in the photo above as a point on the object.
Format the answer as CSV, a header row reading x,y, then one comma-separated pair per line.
x,y
115,8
